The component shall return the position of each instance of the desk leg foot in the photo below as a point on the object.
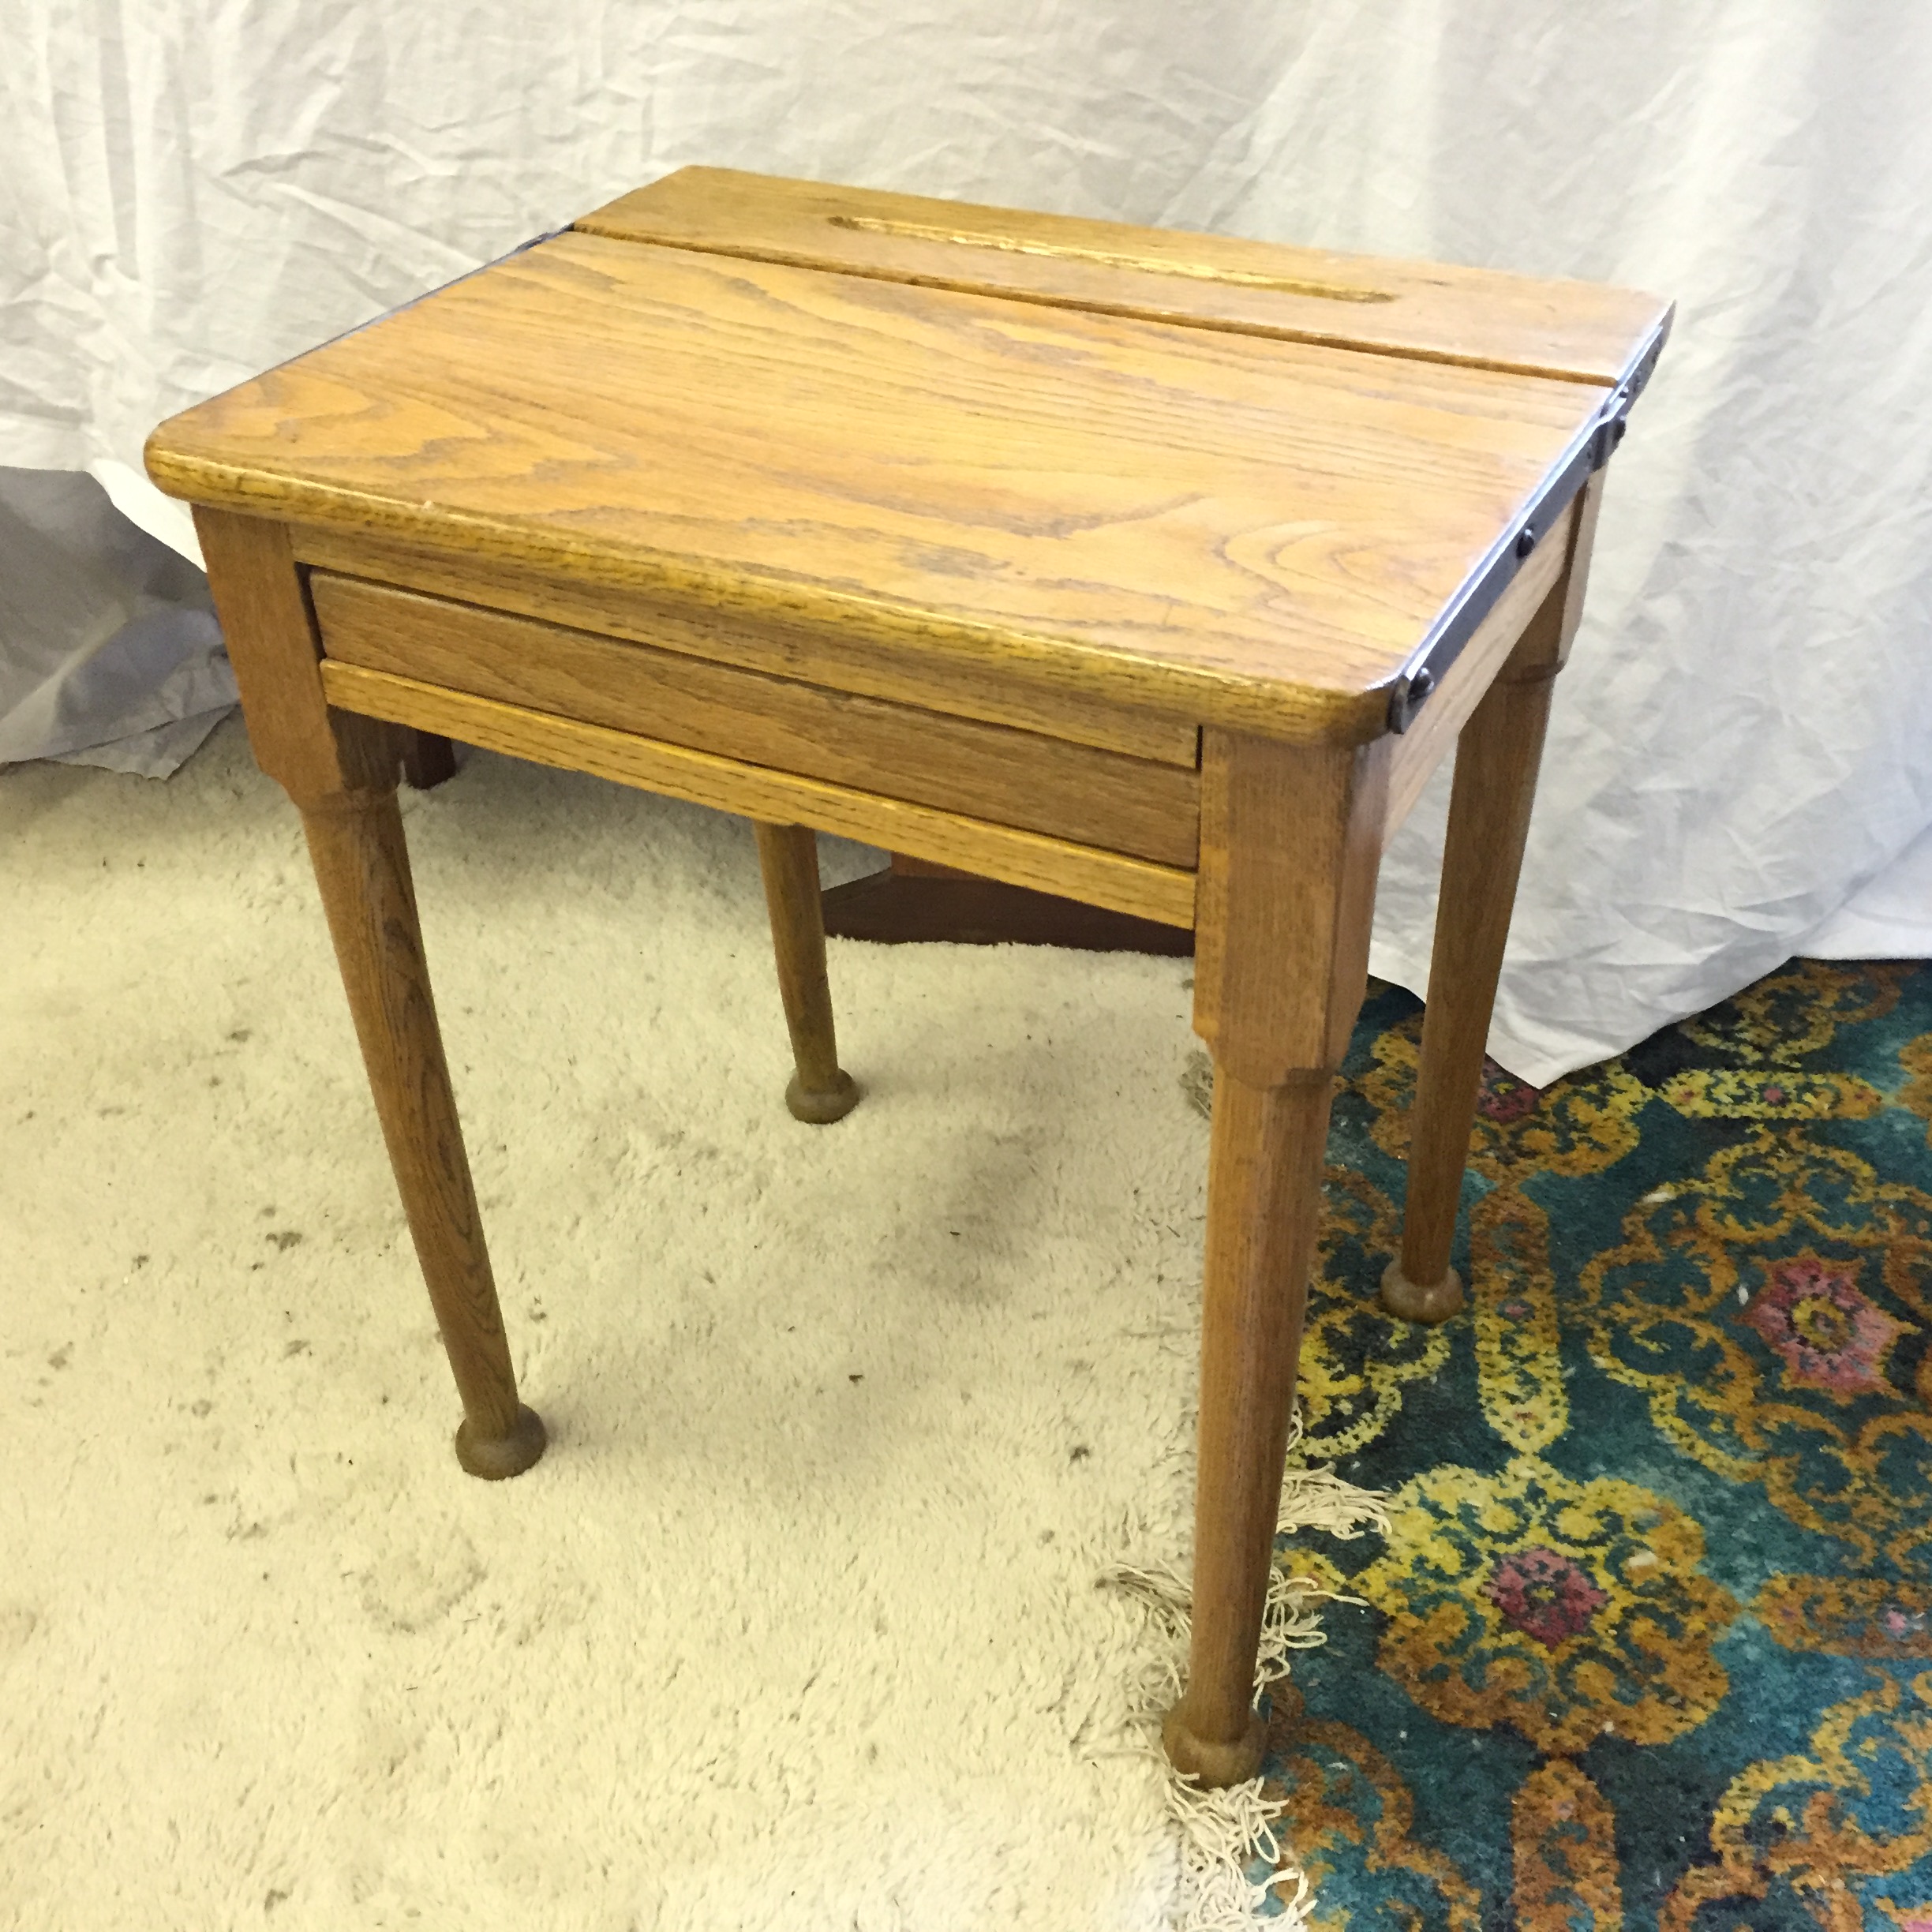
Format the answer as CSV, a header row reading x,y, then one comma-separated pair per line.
x,y
1214,1765
821,1091
1409,1302
505,1455
362,868
820,1108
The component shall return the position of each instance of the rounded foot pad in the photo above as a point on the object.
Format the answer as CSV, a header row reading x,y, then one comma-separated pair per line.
x,y
821,1109
507,1455
1435,1303
1214,1765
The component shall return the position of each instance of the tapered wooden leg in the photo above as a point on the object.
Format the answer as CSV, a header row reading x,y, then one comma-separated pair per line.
x,y
341,770
820,1092
1496,761
355,839
1289,844
1264,1190
1496,773
429,759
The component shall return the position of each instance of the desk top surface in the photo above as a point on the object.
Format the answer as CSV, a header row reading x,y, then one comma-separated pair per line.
x,y
1174,468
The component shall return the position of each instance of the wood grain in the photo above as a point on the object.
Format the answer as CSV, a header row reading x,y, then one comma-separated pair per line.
x,y
1103,879
1067,554
1579,331
821,1090
1291,837
990,771
361,867
270,633
341,770
1291,842
1415,754
1496,773
1588,508
1018,693
1217,526
1265,1171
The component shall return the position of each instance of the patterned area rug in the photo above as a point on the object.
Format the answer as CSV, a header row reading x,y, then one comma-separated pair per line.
x,y
1650,1642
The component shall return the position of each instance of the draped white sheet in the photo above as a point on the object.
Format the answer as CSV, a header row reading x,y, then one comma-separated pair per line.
x,y
189,192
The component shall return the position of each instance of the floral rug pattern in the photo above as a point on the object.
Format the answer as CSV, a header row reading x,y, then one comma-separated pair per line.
x,y
1650,1643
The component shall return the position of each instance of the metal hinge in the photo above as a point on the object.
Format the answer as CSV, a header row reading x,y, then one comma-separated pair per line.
x,y
1429,662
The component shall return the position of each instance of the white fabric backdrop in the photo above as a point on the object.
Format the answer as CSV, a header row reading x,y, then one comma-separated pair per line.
x,y
196,190
110,653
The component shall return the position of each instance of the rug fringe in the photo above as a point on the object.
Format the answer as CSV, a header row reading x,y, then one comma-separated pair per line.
x,y
1220,1834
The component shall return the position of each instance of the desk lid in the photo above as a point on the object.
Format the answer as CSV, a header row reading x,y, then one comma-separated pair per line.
x,y
1219,523
1575,331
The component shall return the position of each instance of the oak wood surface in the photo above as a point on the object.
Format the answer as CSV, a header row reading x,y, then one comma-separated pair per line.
x,y
864,483
893,908
990,771
1017,693
821,1090
1497,759
1581,331
1588,508
1127,884
341,770
362,866
1240,530
1291,840
1264,1169
270,633
1291,837
1431,737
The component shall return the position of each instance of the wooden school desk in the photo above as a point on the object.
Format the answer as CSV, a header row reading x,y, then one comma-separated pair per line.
x,y
1154,570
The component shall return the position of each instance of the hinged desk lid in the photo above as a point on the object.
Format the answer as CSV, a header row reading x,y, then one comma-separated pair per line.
x,y
1218,523
1576,332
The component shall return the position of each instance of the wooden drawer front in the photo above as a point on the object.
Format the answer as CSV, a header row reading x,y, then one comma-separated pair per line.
x,y
990,772
1013,691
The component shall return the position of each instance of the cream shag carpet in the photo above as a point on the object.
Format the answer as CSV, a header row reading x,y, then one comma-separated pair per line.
x,y
796,1625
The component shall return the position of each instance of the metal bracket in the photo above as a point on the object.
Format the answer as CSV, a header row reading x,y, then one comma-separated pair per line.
x,y
1429,662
